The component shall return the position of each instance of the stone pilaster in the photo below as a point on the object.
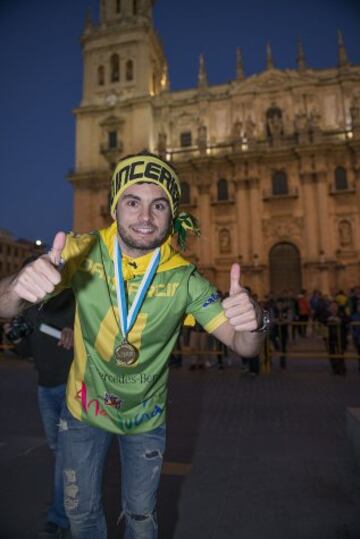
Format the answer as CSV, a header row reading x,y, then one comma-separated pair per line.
x,y
256,221
310,216
323,215
243,220
205,224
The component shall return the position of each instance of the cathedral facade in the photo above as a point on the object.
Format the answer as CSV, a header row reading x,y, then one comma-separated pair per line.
x,y
269,164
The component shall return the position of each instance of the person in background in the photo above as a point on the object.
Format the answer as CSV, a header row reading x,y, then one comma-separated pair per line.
x,y
343,301
198,341
354,298
220,347
280,330
293,312
304,312
336,322
253,363
52,359
355,330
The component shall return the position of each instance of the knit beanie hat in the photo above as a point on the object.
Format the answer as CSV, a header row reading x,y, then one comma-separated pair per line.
x,y
149,168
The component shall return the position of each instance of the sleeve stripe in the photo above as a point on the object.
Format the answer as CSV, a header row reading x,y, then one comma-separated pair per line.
x,y
219,319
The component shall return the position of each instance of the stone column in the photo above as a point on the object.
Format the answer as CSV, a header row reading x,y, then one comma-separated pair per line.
x,y
357,184
310,217
323,215
206,257
255,220
325,280
242,220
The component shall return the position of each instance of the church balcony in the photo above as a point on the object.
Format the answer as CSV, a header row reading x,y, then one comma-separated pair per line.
x,y
112,154
211,150
293,192
182,153
254,146
228,202
347,191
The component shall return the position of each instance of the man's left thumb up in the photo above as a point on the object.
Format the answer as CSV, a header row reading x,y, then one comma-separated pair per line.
x,y
235,274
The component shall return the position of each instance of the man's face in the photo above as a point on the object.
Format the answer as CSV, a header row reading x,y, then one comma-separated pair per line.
x,y
143,218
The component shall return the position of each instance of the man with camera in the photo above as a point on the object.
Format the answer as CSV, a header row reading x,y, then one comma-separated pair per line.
x,y
52,357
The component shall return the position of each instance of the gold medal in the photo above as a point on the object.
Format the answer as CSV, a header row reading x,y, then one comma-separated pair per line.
x,y
126,354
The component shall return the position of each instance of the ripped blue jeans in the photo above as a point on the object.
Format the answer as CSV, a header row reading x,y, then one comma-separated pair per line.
x,y
84,450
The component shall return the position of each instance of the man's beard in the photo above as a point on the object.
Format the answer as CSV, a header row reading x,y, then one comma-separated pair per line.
x,y
141,245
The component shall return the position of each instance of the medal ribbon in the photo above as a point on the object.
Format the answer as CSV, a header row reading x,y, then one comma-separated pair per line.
x,y
127,320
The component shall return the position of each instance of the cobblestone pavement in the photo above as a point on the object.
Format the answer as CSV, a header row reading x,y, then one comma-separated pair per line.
x,y
247,458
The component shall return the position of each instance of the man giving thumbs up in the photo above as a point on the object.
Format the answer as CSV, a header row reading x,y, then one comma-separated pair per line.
x,y
133,291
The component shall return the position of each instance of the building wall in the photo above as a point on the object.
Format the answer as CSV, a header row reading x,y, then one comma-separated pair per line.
x,y
301,122
14,252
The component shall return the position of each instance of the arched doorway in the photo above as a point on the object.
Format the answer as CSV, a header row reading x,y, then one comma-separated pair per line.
x,y
285,268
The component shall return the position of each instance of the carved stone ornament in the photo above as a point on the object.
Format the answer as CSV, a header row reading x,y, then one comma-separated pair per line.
x,y
202,136
237,131
224,241
283,228
162,142
110,100
355,112
274,122
345,234
249,128
301,122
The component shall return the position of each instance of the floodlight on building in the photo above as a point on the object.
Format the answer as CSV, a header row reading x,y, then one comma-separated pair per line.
x,y
38,243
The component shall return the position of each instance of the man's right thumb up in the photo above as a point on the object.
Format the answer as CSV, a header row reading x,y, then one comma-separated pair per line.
x,y
57,248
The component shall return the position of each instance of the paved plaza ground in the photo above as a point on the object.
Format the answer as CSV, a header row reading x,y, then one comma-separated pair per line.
x,y
247,458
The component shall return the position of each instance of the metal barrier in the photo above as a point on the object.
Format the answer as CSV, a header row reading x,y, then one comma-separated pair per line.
x,y
277,342
304,330
7,346
335,337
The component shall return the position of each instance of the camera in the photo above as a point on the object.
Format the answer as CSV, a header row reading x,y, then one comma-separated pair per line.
x,y
19,329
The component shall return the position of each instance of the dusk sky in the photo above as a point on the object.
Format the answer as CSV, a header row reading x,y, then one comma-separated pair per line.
x,y
41,82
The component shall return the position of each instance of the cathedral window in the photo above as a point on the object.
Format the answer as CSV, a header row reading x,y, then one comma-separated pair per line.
x,y
279,183
129,70
117,6
185,139
101,76
115,68
222,189
185,193
341,182
112,139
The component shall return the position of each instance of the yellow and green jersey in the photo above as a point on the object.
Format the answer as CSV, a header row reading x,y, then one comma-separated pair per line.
x,y
129,399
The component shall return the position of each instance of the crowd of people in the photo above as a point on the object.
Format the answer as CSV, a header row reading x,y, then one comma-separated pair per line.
x,y
336,318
